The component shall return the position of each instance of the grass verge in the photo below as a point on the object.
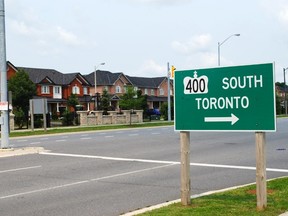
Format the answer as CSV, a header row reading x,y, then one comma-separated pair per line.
x,y
241,201
83,129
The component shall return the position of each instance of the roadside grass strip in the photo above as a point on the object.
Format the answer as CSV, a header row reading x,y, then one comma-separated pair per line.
x,y
234,201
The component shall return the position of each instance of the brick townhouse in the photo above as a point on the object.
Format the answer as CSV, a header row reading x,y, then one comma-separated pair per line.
x,y
57,87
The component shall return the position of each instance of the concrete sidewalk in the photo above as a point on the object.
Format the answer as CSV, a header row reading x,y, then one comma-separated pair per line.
x,y
20,151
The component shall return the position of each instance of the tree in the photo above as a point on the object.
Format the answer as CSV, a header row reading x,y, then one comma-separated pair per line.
x,y
164,111
23,89
128,99
278,105
141,102
105,102
133,100
73,101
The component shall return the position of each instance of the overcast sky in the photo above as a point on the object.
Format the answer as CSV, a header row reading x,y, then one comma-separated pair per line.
x,y
139,37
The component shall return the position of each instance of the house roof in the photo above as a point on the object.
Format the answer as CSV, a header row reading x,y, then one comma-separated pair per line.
x,y
145,82
103,77
37,75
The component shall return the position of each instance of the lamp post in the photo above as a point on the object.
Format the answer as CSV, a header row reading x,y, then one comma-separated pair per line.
x,y
95,84
3,78
285,89
219,44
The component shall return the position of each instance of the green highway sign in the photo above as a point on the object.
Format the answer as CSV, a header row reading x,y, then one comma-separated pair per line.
x,y
238,98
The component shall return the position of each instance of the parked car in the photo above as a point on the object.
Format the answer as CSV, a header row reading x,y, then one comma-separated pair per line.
x,y
153,112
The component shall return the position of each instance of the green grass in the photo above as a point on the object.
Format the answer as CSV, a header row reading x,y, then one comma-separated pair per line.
x,y
238,202
20,133
282,116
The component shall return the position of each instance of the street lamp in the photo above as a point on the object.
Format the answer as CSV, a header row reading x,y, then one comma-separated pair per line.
x,y
95,84
219,44
285,95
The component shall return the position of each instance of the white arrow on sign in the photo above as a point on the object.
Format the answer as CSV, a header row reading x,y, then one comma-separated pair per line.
x,y
233,119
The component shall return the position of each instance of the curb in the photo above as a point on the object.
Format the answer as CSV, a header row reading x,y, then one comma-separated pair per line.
x,y
20,151
140,211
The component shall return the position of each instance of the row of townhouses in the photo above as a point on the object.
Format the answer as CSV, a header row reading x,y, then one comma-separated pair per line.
x,y
57,87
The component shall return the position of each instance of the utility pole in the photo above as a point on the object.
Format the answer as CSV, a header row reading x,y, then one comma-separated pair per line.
x,y
285,90
168,89
3,76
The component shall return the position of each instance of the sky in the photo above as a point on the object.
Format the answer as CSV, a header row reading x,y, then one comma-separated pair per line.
x,y
139,37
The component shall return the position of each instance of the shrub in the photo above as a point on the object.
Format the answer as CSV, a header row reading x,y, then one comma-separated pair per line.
x,y
164,111
20,119
68,118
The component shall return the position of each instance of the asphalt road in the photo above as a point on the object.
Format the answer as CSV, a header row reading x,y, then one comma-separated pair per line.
x,y
114,172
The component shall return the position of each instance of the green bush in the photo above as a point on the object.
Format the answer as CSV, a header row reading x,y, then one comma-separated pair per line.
x,y
164,111
38,121
68,118
19,118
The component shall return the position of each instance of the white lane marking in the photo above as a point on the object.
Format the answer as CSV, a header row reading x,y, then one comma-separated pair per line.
x,y
44,138
109,136
109,158
60,140
22,140
83,182
85,138
34,143
133,134
237,167
156,133
20,169
162,162
102,133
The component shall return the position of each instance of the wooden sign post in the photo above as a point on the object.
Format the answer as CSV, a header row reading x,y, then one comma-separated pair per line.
x,y
261,185
185,168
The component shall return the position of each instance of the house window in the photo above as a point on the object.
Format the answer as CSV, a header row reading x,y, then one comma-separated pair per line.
x,y
45,89
75,90
118,89
152,92
57,90
85,90
146,91
161,91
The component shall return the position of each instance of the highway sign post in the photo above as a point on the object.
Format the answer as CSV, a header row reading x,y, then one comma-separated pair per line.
x,y
238,98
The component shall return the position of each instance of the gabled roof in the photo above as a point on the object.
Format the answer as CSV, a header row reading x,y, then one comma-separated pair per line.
x,y
103,77
145,82
11,65
37,75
